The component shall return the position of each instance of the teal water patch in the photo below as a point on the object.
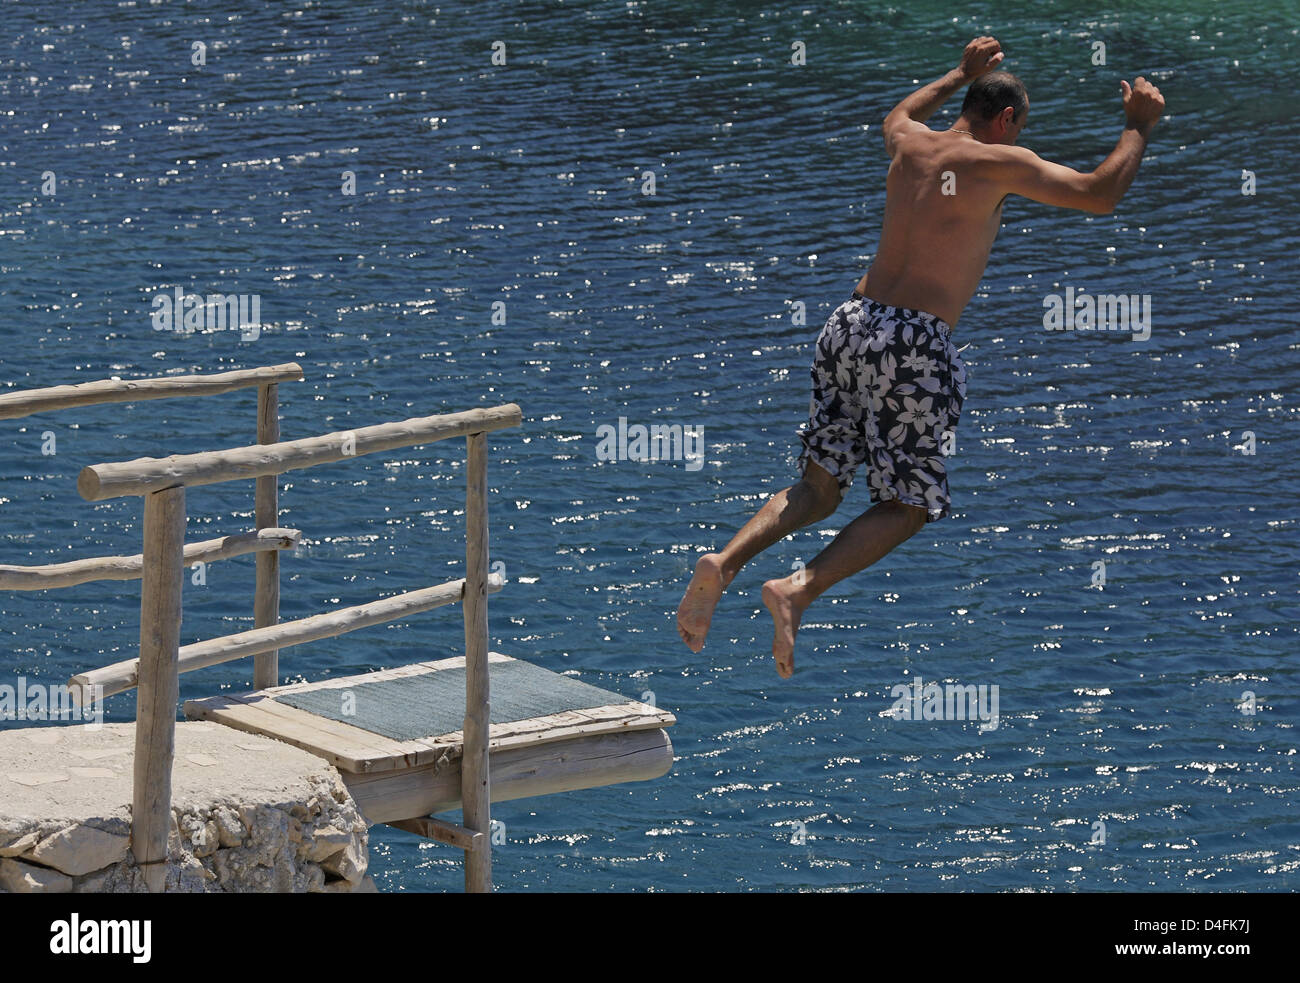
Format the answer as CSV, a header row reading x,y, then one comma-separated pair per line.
x,y
434,703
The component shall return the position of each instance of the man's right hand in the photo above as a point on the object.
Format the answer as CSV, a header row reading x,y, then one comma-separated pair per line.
x,y
1143,103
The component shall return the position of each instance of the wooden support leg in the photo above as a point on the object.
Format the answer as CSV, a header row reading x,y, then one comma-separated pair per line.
x,y
266,602
159,691
475,787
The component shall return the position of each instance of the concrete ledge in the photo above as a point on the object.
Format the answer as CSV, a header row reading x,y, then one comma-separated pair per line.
x,y
248,814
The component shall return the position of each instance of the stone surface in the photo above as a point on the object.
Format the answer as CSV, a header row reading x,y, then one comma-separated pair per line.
x,y
17,877
20,844
327,841
80,849
349,863
248,814
230,829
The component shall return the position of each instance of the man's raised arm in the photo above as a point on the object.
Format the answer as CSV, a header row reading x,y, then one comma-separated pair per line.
x,y
1100,190
981,56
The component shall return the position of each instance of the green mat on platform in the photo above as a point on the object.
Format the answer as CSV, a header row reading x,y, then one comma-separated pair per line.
x,y
434,703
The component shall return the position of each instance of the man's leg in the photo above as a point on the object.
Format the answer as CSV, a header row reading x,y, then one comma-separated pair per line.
x,y
859,544
815,497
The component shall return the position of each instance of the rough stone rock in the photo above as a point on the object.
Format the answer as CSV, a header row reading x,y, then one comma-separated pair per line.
x,y
202,834
327,841
264,817
18,877
349,863
230,828
20,844
80,849
310,879
92,883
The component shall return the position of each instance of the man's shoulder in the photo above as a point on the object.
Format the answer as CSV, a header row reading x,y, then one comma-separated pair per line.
x,y
925,141
998,157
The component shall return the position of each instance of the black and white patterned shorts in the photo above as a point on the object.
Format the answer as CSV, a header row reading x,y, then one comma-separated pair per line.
x,y
887,385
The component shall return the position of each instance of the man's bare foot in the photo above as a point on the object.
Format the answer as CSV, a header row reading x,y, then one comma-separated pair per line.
x,y
779,596
702,594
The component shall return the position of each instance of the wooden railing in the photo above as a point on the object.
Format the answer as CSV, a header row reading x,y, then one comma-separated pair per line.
x,y
26,402
75,572
162,483
266,540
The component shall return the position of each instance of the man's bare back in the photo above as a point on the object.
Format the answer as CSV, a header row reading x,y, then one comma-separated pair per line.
x,y
942,212
945,189
887,380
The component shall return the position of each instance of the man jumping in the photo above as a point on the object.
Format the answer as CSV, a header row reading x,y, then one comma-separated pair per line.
x,y
888,383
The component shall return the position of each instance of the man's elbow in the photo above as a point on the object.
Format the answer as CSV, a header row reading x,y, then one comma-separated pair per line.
x,y
1099,199
897,120
888,132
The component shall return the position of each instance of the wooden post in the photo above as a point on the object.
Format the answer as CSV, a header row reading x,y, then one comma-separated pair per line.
x,y
475,779
159,692
266,601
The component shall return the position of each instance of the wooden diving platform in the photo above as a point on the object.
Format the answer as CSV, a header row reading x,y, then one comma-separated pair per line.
x,y
395,735
409,742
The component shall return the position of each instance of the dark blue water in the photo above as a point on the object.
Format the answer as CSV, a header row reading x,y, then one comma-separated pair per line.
x,y
523,183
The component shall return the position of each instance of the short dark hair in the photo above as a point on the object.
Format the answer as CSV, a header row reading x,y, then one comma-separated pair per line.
x,y
989,94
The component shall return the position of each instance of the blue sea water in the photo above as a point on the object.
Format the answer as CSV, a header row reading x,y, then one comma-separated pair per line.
x,y
523,183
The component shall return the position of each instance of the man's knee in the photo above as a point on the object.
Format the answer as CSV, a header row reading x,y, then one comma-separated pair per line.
x,y
823,489
914,515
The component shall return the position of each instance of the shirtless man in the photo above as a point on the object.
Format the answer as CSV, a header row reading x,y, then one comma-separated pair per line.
x,y
887,382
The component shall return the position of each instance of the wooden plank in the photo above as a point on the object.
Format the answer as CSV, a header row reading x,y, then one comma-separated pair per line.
x,y
475,763
100,481
28,401
571,723
346,747
155,708
350,747
355,749
442,832
266,512
384,754
121,676
381,753
68,574
564,766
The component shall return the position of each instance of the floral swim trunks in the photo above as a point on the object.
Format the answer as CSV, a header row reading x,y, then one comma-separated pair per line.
x,y
887,389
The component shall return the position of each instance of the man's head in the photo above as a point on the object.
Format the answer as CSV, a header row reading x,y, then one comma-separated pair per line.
x,y
996,106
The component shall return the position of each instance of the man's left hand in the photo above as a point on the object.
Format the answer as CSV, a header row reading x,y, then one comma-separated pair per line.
x,y
981,56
